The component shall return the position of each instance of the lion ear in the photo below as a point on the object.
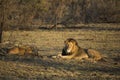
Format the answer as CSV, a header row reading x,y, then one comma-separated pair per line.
x,y
75,42
64,42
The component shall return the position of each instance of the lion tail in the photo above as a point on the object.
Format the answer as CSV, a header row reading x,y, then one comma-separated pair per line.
x,y
105,58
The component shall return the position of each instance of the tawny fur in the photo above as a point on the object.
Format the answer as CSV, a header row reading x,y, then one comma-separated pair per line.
x,y
20,50
79,53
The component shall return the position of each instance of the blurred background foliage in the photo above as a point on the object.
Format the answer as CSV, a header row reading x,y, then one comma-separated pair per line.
x,y
26,13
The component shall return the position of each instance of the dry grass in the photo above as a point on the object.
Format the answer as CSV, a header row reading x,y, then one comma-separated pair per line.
x,y
51,43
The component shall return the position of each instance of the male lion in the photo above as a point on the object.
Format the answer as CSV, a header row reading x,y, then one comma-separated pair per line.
x,y
73,51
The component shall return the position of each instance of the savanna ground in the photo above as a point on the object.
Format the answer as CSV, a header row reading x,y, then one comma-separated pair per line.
x,y
104,38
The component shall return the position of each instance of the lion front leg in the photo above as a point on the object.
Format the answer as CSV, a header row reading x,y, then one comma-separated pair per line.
x,y
67,57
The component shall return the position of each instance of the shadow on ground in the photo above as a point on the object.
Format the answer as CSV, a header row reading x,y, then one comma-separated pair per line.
x,y
94,28
69,65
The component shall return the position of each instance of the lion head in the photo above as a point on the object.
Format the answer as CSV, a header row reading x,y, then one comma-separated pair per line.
x,y
70,45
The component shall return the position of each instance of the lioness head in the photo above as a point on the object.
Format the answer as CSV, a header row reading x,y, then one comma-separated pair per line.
x,y
70,44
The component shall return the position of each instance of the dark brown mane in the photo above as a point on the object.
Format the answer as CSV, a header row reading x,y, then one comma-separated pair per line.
x,y
72,40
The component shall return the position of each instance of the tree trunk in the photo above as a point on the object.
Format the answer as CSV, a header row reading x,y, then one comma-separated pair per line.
x,y
1,31
2,19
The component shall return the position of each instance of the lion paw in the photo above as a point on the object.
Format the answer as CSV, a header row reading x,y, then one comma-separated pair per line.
x,y
58,56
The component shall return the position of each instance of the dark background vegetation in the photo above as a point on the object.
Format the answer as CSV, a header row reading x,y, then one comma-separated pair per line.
x,y
30,13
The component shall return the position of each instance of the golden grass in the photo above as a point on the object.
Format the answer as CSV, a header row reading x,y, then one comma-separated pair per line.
x,y
51,43
53,40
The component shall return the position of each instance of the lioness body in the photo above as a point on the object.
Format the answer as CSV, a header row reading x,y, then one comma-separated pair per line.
x,y
73,51
20,50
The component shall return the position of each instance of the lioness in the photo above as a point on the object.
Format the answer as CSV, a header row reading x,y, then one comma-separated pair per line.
x,y
20,50
73,51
